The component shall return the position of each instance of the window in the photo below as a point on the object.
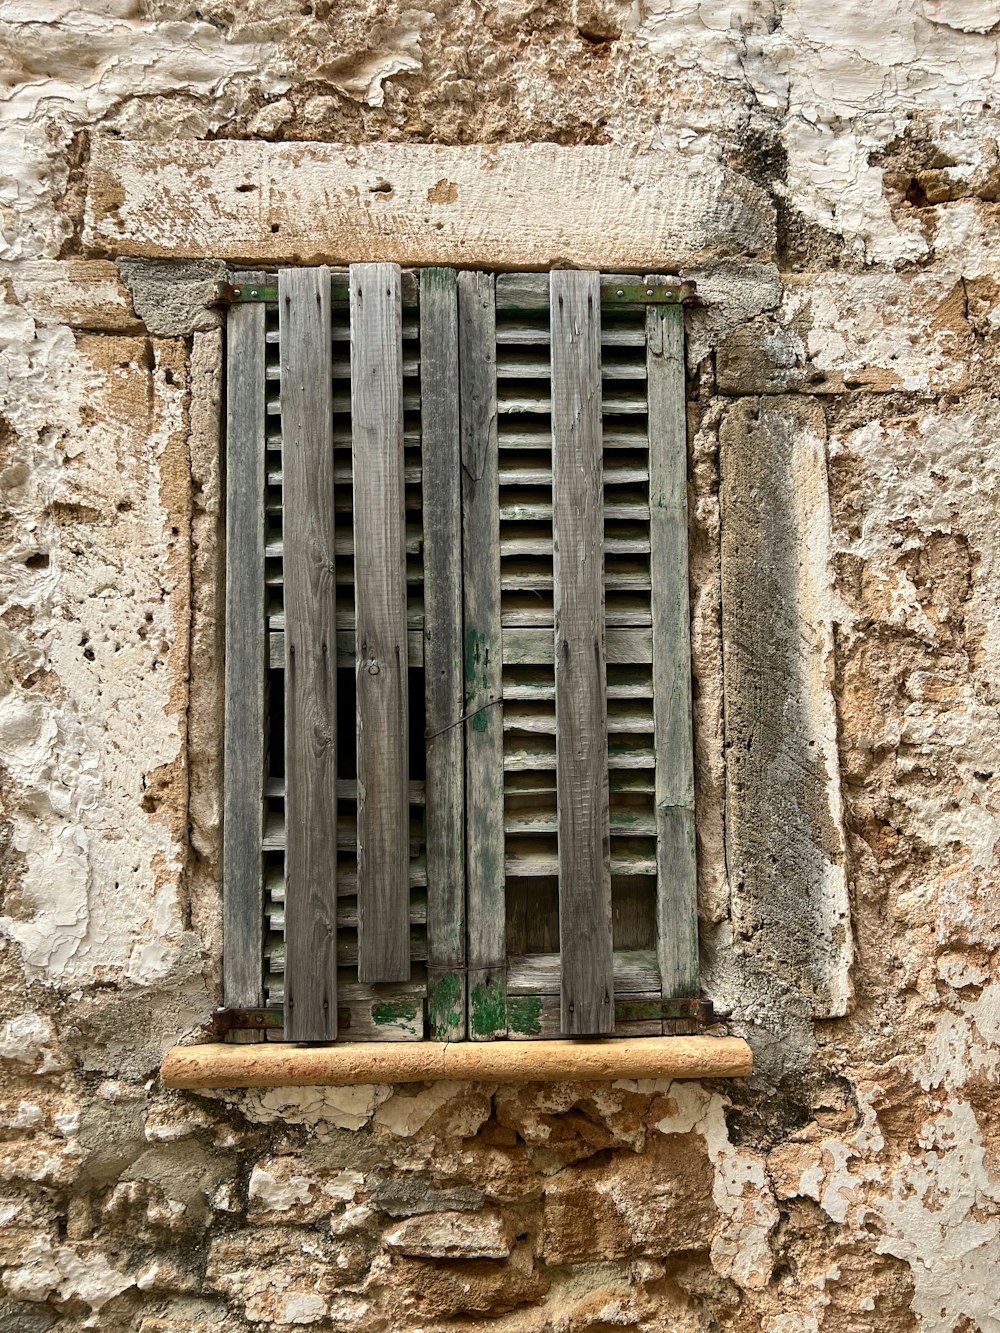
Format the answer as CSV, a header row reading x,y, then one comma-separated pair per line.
x,y
458,758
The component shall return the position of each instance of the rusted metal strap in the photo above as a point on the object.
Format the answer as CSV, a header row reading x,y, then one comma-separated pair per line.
x,y
638,1011
224,1021
641,293
229,293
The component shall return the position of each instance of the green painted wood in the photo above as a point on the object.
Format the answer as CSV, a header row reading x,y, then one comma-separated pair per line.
x,y
677,889
246,658
380,615
443,674
310,824
485,902
581,721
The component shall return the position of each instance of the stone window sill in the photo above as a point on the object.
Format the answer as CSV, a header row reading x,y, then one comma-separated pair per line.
x,y
282,1065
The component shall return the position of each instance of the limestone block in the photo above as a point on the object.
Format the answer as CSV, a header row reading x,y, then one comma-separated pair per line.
x,y
656,1204
500,206
85,294
480,1235
447,1289
785,839
882,332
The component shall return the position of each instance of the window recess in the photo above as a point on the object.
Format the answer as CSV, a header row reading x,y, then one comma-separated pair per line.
x,y
459,781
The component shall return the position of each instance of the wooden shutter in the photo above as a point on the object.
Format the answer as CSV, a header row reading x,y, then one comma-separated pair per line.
x,y
545,397
364,899
426,570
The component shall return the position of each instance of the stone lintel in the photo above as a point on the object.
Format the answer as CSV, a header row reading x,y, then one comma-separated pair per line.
x,y
516,206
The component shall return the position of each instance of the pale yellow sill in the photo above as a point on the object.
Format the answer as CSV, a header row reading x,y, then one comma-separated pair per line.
x,y
273,1065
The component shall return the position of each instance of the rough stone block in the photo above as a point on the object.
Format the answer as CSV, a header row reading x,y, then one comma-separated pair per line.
x,y
656,1204
785,838
451,1236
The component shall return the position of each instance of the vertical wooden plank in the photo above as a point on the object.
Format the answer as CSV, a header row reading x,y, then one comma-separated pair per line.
x,y
483,657
310,655
442,519
246,656
585,943
677,890
380,609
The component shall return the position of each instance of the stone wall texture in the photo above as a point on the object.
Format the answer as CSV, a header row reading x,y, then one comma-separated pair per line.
x,y
843,430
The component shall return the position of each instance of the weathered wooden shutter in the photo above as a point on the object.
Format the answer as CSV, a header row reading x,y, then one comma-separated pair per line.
x,y
578,396
458,733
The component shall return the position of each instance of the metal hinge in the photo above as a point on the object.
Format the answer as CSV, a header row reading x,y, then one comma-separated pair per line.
x,y
638,1011
224,1021
228,293
652,293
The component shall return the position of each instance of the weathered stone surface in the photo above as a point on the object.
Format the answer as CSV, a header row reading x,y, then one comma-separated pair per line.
x,y
423,204
173,299
85,294
785,840
480,1235
655,1204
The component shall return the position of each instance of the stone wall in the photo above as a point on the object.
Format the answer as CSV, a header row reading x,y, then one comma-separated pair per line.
x,y
842,422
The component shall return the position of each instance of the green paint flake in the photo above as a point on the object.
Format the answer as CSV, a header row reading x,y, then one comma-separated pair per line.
x,y
388,1013
487,1010
445,1003
524,1014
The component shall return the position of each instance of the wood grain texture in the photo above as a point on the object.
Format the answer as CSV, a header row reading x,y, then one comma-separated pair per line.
x,y
275,1066
310,656
677,887
511,206
380,611
483,652
246,657
581,707
443,683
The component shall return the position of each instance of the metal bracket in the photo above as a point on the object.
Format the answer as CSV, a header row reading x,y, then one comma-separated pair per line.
x,y
228,293
662,293
638,1011
224,1021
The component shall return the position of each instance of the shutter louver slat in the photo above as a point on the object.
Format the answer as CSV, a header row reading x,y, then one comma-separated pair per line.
x,y
581,730
443,690
483,650
377,405
309,582
246,657
677,892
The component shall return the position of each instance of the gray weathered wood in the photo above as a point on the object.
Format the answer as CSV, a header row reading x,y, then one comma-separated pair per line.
x,y
310,656
636,971
346,649
445,787
581,707
380,610
677,890
246,657
524,646
483,651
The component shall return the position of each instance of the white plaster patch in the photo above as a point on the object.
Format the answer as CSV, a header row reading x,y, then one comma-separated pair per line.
x,y
741,1190
343,1108
92,907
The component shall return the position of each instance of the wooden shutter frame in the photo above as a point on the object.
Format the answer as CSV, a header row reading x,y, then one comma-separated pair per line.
x,y
677,949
